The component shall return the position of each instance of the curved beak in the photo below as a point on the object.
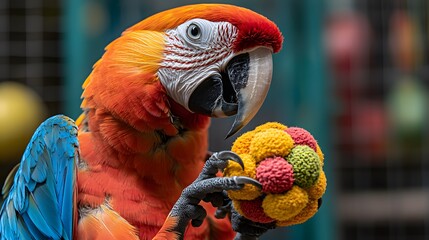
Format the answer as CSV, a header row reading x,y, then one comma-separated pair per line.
x,y
240,89
251,96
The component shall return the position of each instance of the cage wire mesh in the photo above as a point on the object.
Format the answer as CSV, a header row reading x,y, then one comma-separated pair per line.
x,y
381,137
30,47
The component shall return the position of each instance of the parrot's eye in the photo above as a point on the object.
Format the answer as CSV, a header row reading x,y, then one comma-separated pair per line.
x,y
194,31
197,33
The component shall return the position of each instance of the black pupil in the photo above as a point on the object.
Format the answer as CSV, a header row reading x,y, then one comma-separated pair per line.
x,y
195,31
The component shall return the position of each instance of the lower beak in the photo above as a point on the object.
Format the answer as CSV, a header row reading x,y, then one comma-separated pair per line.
x,y
240,90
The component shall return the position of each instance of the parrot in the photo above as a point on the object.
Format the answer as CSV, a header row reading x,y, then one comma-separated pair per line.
x,y
135,164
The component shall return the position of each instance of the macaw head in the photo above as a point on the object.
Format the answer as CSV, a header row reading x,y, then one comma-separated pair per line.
x,y
212,59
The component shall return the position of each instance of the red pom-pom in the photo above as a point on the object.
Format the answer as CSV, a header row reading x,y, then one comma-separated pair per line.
x,y
253,210
275,175
302,137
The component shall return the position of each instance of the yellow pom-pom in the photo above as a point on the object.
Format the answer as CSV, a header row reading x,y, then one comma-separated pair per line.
x,y
320,154
270,125
269,143
302,216
285,206
241,144
234,169
249,191
316,191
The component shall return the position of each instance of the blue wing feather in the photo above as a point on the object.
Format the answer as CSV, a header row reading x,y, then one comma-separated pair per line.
x,y
28,229
40,203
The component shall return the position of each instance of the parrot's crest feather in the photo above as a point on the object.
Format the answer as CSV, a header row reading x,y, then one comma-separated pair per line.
x,y
254,29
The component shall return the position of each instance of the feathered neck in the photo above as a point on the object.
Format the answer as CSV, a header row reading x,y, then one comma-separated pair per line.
x,y
124,92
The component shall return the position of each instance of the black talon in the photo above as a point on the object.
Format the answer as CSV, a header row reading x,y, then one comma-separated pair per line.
x,y
218,161
319,203
228,155
241,180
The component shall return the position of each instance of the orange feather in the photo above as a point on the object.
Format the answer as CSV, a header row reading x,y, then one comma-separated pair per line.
x,y
165,232
104,223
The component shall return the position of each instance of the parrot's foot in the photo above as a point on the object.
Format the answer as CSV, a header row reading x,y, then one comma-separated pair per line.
x,y
209,188
247,229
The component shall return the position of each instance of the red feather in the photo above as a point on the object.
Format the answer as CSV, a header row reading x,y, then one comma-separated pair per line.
x,y
254,29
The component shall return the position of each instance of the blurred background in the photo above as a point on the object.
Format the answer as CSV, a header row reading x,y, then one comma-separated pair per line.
x,y
355,73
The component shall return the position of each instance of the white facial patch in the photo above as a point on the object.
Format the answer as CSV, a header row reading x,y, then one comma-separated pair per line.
x,y
194,51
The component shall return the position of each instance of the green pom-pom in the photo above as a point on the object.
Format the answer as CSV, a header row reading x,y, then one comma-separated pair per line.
x,y
306,165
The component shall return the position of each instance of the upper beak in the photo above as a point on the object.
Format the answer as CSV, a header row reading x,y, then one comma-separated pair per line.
x,y
240,89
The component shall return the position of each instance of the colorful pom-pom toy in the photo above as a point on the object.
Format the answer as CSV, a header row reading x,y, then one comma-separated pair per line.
x,y
288,163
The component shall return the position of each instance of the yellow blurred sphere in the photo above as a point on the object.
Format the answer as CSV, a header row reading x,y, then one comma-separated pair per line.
x,y
21,111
